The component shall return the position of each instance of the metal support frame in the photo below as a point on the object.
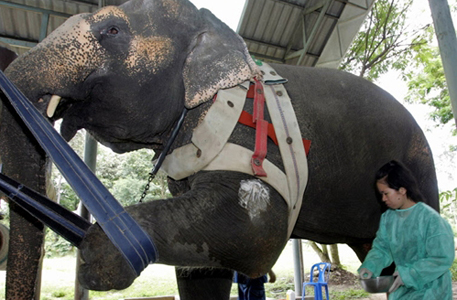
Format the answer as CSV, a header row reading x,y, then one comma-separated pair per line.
x,y
447,42
34,9
323,6
90,158
18,43
44,26
299,275
21,43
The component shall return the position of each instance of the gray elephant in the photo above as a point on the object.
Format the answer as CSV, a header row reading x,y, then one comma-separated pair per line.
x,y
127,73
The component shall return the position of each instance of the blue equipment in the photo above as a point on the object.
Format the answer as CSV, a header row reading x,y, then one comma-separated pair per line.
x,y
324,273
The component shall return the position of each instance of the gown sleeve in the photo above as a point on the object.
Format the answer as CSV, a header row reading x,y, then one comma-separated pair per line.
x,y
379,256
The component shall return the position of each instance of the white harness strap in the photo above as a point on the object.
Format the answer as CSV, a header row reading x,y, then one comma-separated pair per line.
x,y
210,136
210,151
289,140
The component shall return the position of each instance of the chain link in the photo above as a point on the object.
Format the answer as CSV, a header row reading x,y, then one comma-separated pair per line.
x,y
146,188
162,155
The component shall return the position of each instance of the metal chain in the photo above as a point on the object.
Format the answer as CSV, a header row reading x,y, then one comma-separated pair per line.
x,y
146,188
162,155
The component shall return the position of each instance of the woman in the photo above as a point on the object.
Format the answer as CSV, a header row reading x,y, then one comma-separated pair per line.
x,y
413,236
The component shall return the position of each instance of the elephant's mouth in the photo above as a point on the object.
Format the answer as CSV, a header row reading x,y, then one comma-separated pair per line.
x,y
76,114
55,107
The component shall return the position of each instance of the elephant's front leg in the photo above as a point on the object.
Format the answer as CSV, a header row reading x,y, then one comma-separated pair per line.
x,y
226,220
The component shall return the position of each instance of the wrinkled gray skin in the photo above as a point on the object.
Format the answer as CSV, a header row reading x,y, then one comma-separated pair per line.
x,y
126,74
23,262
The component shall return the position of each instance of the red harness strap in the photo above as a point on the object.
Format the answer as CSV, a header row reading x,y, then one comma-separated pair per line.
x,y
247,119
262,127
261,131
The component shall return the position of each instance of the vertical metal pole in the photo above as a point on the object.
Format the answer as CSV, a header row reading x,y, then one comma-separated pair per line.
x,y
90,158
447,42
44,26
298,265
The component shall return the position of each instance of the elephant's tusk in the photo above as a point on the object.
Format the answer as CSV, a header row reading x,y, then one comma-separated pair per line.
x,y
52,106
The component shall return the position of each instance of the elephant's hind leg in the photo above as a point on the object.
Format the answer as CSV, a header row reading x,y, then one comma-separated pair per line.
x,y
204,283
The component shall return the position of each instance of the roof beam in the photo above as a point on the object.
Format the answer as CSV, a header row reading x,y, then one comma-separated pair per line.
x,y
18,42
285,2
44,26
263,43
270,58
307,40
34,9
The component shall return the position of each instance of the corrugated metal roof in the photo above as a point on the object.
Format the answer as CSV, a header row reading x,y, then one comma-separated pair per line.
x,y
304,32
298,31
23,23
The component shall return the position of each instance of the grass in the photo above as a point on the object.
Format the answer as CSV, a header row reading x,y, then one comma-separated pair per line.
x,y
348,294
159,280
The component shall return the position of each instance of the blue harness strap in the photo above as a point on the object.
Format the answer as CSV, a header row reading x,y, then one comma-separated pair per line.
x,y
124,232
66,223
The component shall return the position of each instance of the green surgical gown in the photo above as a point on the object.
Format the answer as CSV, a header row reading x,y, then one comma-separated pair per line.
x,y
421,243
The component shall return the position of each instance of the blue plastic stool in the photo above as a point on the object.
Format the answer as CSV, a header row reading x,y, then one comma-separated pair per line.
x,y
324,274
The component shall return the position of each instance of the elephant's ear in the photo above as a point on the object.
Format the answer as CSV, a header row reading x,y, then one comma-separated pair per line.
x,y
219,59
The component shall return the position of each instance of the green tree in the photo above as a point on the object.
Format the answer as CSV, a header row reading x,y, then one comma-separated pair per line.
x,y
385,41
448,205
125,176
427,84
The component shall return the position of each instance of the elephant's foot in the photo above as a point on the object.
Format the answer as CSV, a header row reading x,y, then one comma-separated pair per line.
x,y
103,267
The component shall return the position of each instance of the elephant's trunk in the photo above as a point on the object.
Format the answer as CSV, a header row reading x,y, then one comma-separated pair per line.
x,y
55,65
24,161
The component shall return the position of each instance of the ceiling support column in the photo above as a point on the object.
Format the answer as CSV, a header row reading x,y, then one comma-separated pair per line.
x,y
447,42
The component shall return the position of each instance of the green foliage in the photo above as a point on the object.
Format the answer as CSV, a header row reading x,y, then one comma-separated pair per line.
x,y
125,176
55,245
59,294
427,84
385,41
448,197
454,271
448,205
68,198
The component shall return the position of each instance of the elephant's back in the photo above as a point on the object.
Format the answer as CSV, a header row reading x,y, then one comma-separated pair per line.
x,y
355,127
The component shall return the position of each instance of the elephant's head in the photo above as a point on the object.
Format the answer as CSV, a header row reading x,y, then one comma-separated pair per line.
x,y
154,56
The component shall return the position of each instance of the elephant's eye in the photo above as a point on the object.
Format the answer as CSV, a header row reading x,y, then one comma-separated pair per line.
x,y
113,30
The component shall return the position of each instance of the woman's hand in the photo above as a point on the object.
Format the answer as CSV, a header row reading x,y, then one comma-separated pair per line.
x,y
364,273
397,282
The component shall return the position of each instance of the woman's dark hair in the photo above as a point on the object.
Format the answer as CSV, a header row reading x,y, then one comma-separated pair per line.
x,y
396,175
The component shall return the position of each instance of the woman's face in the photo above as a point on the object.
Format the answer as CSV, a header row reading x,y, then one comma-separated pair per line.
x,y
392,198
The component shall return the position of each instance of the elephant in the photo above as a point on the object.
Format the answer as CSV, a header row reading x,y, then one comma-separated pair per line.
x,y
126,74
6,57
